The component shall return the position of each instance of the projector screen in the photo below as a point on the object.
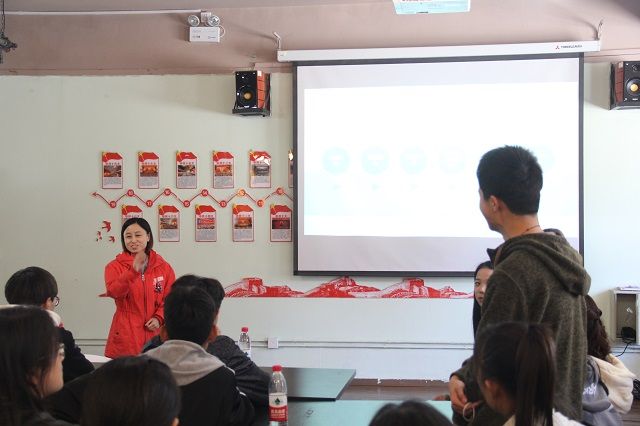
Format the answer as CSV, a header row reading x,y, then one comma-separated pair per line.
x,y
386,156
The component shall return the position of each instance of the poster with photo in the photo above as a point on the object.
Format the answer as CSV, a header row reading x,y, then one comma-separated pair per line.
x,y
148,170
130,211
290,169
186,170
112,170
242,222
222,169
280,223
168,223
206,223
259,169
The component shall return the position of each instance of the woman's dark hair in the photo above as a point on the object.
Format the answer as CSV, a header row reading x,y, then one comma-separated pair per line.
x,y
477,309
598,344
30,286
144,225
131,391
409,413
521,358
29,349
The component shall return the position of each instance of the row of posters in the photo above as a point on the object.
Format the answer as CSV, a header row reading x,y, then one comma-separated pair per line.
x,y
187,170
207,224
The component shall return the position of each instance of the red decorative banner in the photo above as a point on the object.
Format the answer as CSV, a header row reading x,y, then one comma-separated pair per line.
x,y
148,170
112,170
206,223
222,169
345,287
259,169
186,170
280,223
168,223
130,211
242,223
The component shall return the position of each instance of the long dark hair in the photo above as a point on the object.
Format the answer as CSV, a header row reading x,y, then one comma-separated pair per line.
x,y
131,391
28,350
521,358
477,309
598,344
144,225
409,413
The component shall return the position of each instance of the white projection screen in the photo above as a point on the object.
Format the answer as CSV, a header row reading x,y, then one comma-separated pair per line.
x,y
386,155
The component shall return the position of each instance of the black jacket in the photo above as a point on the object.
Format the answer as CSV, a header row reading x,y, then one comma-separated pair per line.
x,y
74,363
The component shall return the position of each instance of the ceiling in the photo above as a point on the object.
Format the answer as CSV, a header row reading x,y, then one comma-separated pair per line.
x,y
67,37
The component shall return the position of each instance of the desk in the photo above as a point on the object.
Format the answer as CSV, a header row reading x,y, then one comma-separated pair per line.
x,y
315,384
339,413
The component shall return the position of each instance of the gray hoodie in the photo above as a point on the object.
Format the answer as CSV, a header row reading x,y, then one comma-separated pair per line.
x,y
188,361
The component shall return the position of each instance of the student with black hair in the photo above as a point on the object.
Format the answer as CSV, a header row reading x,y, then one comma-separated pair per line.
x,y
30,366
36,286
138,279
515,366
132,391
209,392
250,379
607,378
480,279
409,413
538,277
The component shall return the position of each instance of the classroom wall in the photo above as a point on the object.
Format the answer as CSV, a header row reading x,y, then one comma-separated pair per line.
x,y
53,130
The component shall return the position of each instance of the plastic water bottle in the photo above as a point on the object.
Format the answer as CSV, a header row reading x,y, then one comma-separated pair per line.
x,y
278,410
245,341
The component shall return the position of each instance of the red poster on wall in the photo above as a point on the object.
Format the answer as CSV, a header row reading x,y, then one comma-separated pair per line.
x,y
222,169
206,223
280,223
111,170
148,170
186,170
242,223
259,169
168,223
130,211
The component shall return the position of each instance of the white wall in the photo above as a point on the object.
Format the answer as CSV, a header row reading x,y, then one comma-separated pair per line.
x,y
53,130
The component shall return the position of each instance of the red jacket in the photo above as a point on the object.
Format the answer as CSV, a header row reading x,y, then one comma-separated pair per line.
x,y
139,297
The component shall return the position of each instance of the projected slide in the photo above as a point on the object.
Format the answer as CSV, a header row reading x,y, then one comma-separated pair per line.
x,y
387,155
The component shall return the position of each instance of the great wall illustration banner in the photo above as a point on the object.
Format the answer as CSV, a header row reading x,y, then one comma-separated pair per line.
x,y
346,287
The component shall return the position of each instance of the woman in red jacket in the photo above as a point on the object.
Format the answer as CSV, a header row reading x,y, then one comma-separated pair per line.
x,y
138,279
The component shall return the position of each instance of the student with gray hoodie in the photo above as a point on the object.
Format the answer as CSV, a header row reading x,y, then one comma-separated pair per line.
x,y
209,391
538,278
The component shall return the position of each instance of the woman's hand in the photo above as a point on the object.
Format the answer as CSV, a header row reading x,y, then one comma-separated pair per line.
x,y
152,324
140,261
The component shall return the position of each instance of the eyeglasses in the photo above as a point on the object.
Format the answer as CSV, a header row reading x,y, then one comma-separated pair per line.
x,y
56,300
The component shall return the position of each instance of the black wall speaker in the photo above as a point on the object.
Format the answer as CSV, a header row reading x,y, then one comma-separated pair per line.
x,y
252,93
625,85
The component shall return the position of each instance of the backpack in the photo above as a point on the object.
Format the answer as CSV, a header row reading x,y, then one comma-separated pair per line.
x,y
596,407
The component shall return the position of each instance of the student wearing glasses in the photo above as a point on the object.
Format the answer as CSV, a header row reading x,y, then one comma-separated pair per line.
x,y
36,286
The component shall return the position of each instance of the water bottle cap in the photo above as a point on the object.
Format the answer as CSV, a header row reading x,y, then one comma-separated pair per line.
x,y
277,368
245,329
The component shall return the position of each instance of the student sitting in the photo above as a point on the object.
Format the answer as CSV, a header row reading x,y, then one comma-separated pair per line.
x,y
409,413
36,286
515,368
132,391
30,366
608,383
250,379
209,391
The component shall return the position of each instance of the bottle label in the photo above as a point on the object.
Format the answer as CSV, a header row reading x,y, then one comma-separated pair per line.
x,y
278,407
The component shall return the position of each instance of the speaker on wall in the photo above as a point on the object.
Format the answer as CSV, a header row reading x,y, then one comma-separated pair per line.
x,y
252,93
625,85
